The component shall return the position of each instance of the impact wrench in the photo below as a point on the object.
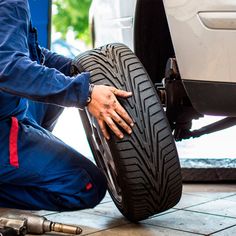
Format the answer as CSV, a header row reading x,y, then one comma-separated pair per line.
x,y
22,223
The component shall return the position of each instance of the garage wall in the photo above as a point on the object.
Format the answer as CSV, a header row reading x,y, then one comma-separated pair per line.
x,y
41,16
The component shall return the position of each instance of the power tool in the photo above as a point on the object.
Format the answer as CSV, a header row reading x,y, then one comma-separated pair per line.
x,y
20,223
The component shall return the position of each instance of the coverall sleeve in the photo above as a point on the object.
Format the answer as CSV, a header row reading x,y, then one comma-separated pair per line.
x,y
59,62
23,77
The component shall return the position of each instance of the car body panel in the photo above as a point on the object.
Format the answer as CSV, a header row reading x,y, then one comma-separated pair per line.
x,y
203,34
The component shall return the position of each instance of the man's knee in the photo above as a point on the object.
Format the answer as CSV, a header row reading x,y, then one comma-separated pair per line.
x,y
88,197
97,190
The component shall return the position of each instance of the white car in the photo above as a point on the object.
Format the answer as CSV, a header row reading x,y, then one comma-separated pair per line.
x,y
203,36
188,54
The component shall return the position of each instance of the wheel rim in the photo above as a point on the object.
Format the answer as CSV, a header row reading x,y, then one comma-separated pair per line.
x,y
104,159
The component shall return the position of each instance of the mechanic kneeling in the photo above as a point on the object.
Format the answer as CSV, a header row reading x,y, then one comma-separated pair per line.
x,y
39,171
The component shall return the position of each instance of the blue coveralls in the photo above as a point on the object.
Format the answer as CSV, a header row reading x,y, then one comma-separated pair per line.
x,y
37,170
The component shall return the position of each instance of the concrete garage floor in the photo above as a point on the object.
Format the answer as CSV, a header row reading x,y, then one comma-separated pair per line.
x,y
203,210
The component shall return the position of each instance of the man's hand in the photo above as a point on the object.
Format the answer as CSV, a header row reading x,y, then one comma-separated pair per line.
x,y
107,110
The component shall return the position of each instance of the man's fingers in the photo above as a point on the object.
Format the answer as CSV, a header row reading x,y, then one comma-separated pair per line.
x,y
113,127
121,93
119,109
108,111
121,122
103,129
122,112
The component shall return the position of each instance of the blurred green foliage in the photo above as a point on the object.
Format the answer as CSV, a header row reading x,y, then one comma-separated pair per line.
x,y
72,14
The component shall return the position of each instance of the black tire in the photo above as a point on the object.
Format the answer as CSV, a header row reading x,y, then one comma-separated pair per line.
x,y
142,169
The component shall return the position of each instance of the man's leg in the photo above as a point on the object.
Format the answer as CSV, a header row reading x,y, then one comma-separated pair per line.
x,y
51,175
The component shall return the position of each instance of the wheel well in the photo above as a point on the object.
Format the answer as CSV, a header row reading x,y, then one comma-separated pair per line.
x,y
152,40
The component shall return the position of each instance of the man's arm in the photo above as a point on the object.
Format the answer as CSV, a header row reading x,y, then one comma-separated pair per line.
x,y
59,62
21,76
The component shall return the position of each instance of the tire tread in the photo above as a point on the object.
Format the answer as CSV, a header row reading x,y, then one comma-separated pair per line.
x,y
148,160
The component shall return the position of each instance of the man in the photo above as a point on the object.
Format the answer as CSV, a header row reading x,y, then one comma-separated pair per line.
x,y
37,170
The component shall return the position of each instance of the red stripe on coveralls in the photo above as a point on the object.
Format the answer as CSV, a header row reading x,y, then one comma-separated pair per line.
x,y
13,149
